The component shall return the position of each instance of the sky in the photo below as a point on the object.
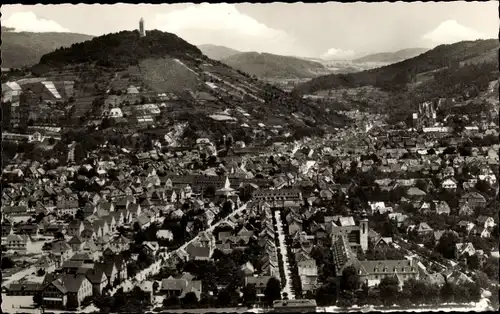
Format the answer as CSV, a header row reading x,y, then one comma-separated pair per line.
x,y
322,30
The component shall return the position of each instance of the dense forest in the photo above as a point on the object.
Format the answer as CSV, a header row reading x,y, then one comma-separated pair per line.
x,y
121,49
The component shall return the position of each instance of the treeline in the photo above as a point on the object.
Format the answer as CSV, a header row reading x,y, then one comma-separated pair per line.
x,y
121,49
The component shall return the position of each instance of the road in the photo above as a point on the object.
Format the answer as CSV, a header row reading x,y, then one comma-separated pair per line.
x,y
155,268
284,253
18,276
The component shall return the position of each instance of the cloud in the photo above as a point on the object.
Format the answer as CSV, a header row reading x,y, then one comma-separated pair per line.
x,y
223,24
29,22
334,53
450,32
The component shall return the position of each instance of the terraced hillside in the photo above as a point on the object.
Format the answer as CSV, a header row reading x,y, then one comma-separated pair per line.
x,y
210,96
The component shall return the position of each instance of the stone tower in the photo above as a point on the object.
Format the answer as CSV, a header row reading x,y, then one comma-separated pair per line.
x,y
142,32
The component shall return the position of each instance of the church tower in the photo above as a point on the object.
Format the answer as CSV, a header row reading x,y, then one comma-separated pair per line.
x,y
142,32
363,232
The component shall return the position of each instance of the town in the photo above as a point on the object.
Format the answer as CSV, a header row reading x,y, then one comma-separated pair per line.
x,y
110,203
373,210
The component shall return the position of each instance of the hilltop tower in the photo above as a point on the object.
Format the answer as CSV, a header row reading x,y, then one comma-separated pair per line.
x,y
142,32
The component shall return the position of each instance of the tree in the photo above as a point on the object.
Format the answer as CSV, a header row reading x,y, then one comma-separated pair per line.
x,y
80,215
190,300
71,303
481,279
40,272
58,235
272,291
38,299
350,279
249,294
172,302
447,292
156,285
446,244
7,263
389,290
490,268
473,262
327,293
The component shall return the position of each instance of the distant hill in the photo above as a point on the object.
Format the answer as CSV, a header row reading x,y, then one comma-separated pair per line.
x,y
25,49
450,71
217,52
391,57
266,65
164,63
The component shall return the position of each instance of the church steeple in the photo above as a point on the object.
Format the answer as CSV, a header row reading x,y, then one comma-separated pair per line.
x,y
142,31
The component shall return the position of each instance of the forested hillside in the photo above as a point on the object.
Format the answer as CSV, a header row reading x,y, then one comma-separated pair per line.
x,y
122,49
396,77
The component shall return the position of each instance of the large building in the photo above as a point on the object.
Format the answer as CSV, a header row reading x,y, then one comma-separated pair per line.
x,y
371,272
279,198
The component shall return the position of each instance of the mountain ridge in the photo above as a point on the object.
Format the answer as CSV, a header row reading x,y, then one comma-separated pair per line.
x,y
217,52
22,49
267,65
391,57
399,74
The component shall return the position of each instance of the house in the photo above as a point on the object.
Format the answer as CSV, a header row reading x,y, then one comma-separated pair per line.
x,y
75,228
199,252
97,278
179,287
464,248
294,226
481,231
109,268
382,243
474,199
399,218
372,272
442,208
23,289
465,209
449,184
46,263
66,290
485,221
423,229
61,251
17,242
248,269
260,283
415,193
121,266
308,271
466,225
